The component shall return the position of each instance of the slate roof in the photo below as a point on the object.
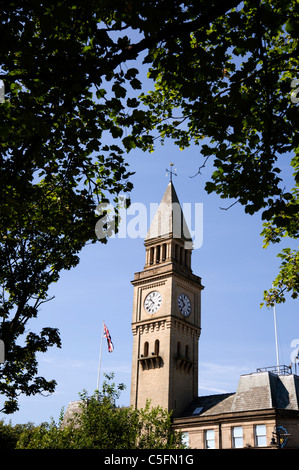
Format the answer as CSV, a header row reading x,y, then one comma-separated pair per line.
x,y
257,391
210,405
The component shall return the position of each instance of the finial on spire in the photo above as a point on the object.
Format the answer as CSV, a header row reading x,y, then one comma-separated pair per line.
x,y
171,171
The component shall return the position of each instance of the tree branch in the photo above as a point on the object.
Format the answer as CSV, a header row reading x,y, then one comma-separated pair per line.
x,y
200,168
227,208
172,30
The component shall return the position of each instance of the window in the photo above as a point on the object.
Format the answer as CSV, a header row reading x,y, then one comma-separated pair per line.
x,y
210,439
151,255
158,254
157,345
185,438
237,437
182,255
163,251
177,251
188,258
260,435
145,349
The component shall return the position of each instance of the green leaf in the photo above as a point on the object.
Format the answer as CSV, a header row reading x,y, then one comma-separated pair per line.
x,y
120,92
132,102
131,73
129,143
101,93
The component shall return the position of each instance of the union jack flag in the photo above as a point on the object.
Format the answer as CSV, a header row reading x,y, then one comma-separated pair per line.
x,y
107,335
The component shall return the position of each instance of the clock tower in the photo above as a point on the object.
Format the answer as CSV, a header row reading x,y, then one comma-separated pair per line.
x,y
166,314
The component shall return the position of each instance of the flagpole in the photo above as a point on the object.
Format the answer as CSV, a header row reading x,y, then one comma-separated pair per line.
x,y
102,334
276,343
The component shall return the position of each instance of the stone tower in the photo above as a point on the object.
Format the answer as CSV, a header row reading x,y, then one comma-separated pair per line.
x,y
166,314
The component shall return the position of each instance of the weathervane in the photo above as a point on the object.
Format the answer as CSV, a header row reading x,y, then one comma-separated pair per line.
x,y
171,171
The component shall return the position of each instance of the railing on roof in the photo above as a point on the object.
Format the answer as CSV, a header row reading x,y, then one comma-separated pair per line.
x,y
279,370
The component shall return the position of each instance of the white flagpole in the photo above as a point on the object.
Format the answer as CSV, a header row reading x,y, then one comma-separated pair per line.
x,y
102,334
276,342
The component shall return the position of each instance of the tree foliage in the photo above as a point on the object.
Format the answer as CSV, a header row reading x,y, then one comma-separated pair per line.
x,y
100,424
231,82
10,434
223,72
54,168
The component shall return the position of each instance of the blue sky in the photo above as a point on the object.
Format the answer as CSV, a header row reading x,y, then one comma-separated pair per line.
x,y
237,335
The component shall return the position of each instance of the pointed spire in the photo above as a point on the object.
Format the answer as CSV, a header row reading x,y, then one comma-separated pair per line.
x,y
169,220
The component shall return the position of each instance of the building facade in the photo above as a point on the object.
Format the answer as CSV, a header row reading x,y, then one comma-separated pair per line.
x,y
262,413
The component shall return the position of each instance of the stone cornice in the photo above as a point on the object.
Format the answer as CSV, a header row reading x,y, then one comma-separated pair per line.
x,y
168,321
165,271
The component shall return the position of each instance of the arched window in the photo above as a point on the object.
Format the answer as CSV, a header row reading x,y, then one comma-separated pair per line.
x,y
187,351
151,255
158,249
178,349
145,349
182,256
157,346
188,258
163,251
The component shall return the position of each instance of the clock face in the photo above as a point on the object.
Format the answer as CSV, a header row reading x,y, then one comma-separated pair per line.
x,y
184,305
153,302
